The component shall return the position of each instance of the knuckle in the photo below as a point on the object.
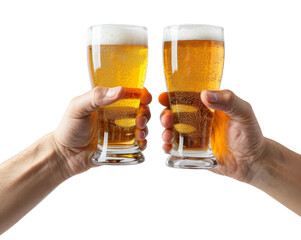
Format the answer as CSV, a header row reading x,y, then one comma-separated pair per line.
x,y
150,98
228,100
162,114
249,106
93,93
145,108
96,95
167,136
162,121
145,131
229,96
249,109
163,134
73,103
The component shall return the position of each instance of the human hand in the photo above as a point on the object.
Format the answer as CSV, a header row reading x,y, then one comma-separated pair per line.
x,y
76,136
236,139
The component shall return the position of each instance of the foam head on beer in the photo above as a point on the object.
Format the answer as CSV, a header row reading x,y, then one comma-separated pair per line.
x,y
117,35
193,32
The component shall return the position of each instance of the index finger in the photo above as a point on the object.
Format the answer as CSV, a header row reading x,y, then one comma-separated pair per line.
x,y
146,97
163,99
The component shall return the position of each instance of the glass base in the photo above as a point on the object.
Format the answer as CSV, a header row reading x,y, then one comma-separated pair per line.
x,y
192,160
118,156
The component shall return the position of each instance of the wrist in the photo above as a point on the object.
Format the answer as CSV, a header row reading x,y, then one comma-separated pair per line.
x,y
263,163
277,163
279,175
58,163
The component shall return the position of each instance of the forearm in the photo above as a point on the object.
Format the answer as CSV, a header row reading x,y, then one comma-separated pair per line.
x,y
279,175
26,179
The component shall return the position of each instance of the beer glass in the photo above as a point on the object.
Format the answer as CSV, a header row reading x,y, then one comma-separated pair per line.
x,y
117,56
193,61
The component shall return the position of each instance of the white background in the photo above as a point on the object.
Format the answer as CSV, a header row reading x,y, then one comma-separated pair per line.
x,y
43,64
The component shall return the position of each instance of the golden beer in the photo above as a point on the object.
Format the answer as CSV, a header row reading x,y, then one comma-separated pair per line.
x,y
121,65
200,67
117,56
193,62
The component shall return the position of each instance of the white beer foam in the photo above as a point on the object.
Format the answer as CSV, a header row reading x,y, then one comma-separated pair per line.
x,y
117,35
193,32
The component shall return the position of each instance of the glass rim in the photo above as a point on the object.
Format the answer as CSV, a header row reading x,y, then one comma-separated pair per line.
x,y
118,25
193,32
192,26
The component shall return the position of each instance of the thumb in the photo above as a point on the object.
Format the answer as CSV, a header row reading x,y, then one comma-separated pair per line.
x,y
82,106
229,103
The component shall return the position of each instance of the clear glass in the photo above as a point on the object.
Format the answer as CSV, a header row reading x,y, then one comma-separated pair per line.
x,y
193,61
117,56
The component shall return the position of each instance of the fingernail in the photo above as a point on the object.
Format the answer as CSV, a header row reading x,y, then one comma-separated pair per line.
x,y
212,96
145,121
144,134
112,92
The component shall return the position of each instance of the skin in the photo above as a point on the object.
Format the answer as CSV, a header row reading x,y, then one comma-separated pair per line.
x,y
241,149
243,153
76,136
27,178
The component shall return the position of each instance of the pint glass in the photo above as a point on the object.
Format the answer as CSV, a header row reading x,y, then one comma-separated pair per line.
x,y
117,56
193,61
